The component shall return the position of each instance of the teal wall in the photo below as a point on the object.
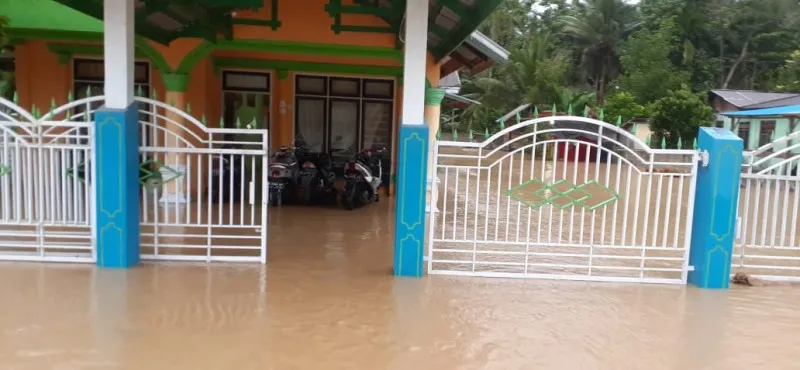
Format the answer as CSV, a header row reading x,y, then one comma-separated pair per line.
x,y
782,128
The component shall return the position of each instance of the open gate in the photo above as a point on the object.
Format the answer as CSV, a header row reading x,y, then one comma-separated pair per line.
x,y
203,190
526,207
768,233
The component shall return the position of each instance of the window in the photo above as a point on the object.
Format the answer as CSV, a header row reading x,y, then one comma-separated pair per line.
x,y
342,115
743,131
765,132
246,100
720,124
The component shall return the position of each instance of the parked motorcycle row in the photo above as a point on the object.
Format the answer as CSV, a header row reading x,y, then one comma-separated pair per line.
x,y
297,175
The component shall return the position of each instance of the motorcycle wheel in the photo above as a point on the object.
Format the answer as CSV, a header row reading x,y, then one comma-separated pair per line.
x,y
275,198
349,197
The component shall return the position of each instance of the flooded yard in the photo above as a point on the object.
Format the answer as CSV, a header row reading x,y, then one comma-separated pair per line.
x,y
327,300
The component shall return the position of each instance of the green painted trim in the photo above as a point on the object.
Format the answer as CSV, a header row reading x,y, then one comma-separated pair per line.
x,y
66,51
283,73
175,82
195,56
143,48
294,47
39,34
434,96
220,63
155,56
428,83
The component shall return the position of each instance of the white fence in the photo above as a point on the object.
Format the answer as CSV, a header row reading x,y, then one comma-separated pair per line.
x,y
46,209
562,199
202,194
768,232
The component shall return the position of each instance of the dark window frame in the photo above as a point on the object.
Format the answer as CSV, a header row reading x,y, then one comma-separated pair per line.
x,y
329,123
765,131
298,90
267,90
365,95
744,127
325,125
333,94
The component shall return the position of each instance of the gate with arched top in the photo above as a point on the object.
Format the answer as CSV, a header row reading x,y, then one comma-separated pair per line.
x,y
523,204
202,191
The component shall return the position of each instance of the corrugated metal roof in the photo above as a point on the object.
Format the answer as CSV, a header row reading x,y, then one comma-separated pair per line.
x,y
792,100
744,98
789,110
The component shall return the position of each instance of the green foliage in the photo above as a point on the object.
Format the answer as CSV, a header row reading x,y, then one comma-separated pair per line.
x,y
598,27
646,60
623,104
3,36
789,74
679,115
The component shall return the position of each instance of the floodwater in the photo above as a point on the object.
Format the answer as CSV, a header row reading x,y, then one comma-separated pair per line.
x,y
327,300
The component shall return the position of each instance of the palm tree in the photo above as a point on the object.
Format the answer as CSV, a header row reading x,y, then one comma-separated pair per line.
x,y
534,73
599,26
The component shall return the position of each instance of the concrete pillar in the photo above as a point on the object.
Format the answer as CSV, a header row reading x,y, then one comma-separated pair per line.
x,y
116,146
409,245
433,109
175,191
715,205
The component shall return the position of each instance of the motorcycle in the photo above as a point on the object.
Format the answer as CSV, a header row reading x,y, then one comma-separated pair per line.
x,y
226,177
282,177
363,179
316,178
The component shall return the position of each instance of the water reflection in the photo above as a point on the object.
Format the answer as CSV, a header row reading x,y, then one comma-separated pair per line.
x,y
327,301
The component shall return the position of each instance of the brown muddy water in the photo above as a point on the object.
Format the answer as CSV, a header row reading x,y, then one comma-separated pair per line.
x,y
327,300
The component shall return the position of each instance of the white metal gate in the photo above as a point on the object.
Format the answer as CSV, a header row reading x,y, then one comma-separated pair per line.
x,y
768,232
563,198
203,189
45,210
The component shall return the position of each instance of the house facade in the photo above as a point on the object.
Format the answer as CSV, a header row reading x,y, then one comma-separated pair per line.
x,y
327,72
340,75
743,113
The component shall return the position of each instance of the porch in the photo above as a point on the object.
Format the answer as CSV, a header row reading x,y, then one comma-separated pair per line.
x,y
193,91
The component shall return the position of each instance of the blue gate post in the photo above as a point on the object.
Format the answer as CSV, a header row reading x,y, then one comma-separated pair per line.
x,y
715,206
116,158
412,175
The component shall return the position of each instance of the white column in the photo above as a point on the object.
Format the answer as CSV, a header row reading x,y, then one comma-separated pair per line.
x,y
414,62
118,44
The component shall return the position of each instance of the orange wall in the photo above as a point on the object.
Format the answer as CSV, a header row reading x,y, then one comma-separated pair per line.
x,y
41,76
307,21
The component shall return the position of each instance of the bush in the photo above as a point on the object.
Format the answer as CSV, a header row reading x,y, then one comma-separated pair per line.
x,y
679,115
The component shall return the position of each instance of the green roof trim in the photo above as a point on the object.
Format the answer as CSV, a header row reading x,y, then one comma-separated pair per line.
x,y
353,69
48,15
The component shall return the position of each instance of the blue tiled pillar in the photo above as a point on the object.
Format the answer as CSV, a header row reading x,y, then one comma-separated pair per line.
x,y
409,238
715,207
116,156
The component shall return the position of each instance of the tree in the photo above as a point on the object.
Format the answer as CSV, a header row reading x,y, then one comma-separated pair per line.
x,y
679,115
534,73
646,63
789,75
623,105
598,27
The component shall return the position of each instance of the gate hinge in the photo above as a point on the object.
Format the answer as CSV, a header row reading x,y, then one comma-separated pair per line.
x,y
703,157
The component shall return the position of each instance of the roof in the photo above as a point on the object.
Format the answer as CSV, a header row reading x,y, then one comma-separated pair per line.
x,y
460,99
161,22
745,99
792,100
452,26
451,83
789,110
